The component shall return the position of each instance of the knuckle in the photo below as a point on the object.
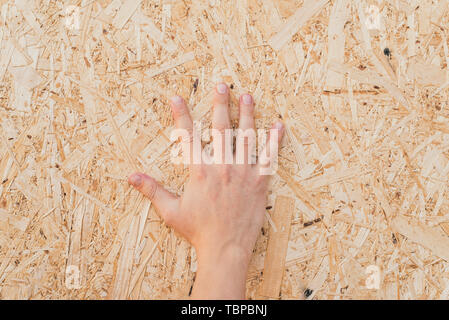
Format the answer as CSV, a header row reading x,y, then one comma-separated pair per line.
x,y
264,161
199,173
180,112
221,128
188,137
247,110
225,174
260,181
221,99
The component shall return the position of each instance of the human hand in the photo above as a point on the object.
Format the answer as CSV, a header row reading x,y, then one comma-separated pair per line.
x,y
222,209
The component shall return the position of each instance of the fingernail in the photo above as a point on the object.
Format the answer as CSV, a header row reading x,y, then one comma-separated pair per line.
x,y
176,100
279,126
135,179
222,88
247,99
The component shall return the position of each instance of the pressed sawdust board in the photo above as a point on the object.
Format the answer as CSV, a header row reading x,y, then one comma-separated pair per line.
x,y
277,248
84,87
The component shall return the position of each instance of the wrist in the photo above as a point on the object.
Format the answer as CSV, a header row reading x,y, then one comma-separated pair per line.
x,y
228,256
221,273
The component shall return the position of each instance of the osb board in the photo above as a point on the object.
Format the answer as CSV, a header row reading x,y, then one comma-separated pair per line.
x,y
274,265
366,153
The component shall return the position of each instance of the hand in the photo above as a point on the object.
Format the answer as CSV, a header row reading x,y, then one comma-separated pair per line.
x,y
222,209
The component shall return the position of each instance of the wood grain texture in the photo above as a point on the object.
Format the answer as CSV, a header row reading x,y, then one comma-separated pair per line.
x,y
84,105
277,247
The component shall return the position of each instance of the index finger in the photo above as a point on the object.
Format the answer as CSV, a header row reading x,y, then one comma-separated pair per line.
x,y
183,122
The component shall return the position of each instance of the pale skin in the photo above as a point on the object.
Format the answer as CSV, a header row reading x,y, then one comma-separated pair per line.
x,y
222,209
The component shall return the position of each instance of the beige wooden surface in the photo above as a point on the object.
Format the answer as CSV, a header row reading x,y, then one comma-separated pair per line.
x,y
83,103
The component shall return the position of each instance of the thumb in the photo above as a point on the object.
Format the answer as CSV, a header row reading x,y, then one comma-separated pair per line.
x,y
166,203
